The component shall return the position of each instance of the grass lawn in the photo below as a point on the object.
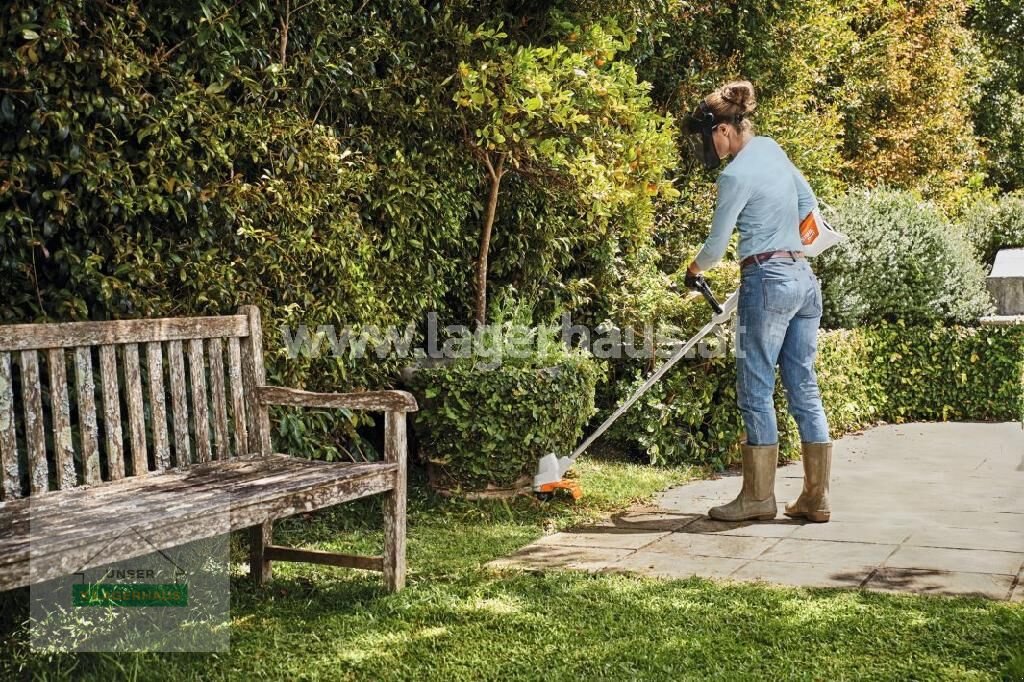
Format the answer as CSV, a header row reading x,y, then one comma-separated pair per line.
x,y
459,621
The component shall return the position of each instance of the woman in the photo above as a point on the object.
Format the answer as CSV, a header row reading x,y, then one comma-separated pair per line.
x,y
762,194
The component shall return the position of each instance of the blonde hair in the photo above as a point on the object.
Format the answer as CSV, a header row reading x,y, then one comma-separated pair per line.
x,y
731,100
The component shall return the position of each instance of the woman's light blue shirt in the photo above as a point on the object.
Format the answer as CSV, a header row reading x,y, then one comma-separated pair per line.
x,y
762,194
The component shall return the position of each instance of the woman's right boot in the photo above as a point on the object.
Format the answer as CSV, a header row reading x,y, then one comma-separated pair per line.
x,y
757,497
813,501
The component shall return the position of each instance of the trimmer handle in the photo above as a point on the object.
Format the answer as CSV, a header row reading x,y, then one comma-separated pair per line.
x,y
701,285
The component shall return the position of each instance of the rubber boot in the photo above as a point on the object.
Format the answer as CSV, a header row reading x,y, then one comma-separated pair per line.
x,y
813,501
757,498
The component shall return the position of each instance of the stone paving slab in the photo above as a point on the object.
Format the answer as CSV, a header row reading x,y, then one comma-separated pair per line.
x,y
667,565
598,537
802,574
946,559
829,552
710,545
924,581
916,508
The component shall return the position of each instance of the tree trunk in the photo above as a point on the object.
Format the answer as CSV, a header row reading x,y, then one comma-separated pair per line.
x,y
480,304
283,38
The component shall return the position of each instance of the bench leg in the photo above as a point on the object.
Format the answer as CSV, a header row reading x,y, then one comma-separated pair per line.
x,y
394,503
259,539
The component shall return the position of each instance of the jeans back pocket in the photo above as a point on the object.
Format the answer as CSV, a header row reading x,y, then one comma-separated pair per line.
x,y
783,295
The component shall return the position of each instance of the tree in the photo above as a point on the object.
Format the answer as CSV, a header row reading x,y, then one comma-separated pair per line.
x,y
562,115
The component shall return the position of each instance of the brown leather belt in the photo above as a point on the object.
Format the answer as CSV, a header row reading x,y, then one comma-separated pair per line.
x,y
768,255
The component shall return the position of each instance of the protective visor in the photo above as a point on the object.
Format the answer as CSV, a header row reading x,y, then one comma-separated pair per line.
x,y
703,122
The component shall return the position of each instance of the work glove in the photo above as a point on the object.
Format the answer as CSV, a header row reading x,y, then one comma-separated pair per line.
x,y
694,282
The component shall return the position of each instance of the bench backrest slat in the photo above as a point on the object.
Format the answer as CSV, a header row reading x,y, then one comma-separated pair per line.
x,y
197,373
35,439
219,415
112,412
253,375
157,406
238,407
9,486
136,409
87,427
121,409
179,404
64,450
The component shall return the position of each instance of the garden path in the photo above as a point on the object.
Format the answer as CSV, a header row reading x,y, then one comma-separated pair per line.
x,y
921,508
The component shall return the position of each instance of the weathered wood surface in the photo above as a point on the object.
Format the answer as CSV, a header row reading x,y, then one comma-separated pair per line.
x,y
254,376
238,413
261,537
179,405
200,412
192,522
379,401
63,446
157,406
11,483
218,395
314,556
74,334
75,527
136,410
35,437
111,412
86,390
394,502
66,528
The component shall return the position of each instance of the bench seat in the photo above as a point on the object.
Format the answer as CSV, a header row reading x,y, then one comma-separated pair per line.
x,y
67,530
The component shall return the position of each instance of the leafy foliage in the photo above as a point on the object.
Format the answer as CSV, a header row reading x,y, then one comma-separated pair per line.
x,y
999,114
486,419
949,373
691,417
887,372
994,225
552,114
902,260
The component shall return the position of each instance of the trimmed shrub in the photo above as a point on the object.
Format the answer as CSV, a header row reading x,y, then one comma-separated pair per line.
x,y
485,422
949,373
903,261
851,390
691,416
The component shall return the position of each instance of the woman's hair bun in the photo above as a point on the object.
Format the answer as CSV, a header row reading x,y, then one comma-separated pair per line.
x,y
741,95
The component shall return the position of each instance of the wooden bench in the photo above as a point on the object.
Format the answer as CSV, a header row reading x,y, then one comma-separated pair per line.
x,y
171,440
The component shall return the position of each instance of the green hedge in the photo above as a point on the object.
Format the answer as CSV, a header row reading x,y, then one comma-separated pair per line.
x,y
479,427
886,373
948,373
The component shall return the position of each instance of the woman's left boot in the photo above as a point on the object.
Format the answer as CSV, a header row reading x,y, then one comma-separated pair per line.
x,y
813,501
757,498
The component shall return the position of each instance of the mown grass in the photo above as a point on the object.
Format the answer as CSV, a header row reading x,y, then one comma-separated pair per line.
x,y
459,620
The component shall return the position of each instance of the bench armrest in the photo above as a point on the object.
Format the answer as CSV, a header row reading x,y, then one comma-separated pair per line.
x,y
378,401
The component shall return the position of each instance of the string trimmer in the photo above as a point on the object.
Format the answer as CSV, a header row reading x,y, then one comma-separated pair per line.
x,y
551,468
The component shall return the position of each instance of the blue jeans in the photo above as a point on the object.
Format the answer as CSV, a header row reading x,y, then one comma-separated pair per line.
x,y
779,314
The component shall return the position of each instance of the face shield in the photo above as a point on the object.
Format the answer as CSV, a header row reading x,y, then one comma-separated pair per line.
x,y
703,122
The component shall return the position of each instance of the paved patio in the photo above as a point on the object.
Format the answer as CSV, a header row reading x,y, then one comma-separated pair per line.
x,y
921,508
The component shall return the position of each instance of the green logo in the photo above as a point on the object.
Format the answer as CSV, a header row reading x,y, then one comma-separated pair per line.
x,y
129,594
